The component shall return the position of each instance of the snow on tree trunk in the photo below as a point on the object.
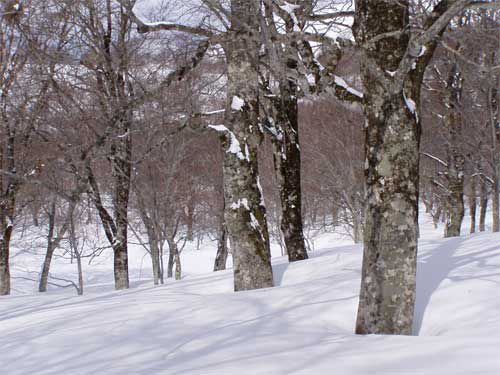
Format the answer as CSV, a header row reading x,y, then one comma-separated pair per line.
x,y
456,159
287,161
392,136
245,214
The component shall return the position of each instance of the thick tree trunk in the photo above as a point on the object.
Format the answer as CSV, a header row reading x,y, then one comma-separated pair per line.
x,y
456,159
245,214
287,162
390,105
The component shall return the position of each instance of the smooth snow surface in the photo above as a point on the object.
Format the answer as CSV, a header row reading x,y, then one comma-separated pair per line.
x,y
304,325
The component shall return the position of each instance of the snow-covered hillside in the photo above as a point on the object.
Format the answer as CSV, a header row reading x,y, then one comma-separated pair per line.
x,y
302,326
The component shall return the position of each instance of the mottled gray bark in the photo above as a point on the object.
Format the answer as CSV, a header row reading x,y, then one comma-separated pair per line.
x,y
456,159
245,214
392,139
282,121
287,161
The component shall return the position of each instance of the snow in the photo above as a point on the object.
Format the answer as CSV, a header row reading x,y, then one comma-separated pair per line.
x,y
243,202
422,51
303,325
234,144
342,83
237,103
411,105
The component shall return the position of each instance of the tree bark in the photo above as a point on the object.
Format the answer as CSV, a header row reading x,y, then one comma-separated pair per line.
x,y
245,214
473,205
392,137
495,211
7,209
6,227
44,277
153,241
222,253
287,161
456,159
483,205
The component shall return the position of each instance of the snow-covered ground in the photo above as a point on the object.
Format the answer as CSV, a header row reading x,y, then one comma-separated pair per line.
x,y
302,326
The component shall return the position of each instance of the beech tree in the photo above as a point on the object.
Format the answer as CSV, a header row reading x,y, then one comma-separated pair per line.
x,y
395,57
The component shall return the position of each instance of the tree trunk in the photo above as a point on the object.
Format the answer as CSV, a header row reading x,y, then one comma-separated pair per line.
x,y
51,247
473,205
190,217
6,228
170,265
392,137
7,208
287,162
456,159
122,150
80,273
245,214
483,205
495,205
357,228
154,248
222,253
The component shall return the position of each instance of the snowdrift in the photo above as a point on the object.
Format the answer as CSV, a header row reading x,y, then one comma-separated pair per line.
x,y
302,326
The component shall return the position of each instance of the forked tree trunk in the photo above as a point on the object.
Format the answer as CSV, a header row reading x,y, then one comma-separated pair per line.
x,y
245,214
392,136
154,247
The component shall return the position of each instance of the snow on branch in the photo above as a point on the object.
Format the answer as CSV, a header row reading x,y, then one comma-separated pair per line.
x,y
234,144
147,27
343,84
435,158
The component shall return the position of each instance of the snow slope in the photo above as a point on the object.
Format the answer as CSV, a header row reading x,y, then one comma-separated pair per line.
x,y
302,326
